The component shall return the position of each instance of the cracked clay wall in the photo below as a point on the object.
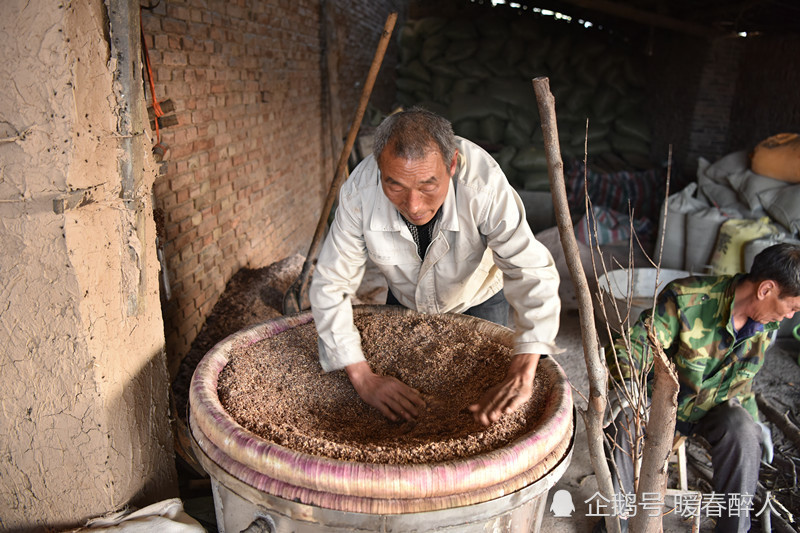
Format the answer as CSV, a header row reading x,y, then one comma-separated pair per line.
x,y
84,398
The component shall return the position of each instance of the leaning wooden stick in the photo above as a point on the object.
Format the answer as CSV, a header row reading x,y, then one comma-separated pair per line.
x,y
296,297
598,385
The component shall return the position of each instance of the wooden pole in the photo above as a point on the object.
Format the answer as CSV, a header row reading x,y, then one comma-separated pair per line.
x,y
296,298
598,385
332,42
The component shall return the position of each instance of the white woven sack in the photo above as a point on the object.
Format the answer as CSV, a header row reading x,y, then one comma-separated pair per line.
x,y
702,228
673,234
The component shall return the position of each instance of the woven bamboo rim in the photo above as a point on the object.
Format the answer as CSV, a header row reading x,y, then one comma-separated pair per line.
x,y
213,459
309,474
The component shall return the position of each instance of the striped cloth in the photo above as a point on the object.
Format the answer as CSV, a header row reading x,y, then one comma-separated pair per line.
x,y
642,190
611,227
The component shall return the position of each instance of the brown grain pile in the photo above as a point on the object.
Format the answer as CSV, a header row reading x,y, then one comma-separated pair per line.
x,y
277,389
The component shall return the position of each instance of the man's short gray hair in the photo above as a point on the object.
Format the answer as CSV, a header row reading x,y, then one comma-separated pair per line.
x,y
410,134
780,263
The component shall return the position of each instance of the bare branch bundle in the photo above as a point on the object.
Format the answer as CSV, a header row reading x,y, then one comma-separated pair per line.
x,y
760,499
656,448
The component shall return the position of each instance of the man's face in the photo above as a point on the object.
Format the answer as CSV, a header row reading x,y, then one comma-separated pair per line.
x,y
416,187
771,307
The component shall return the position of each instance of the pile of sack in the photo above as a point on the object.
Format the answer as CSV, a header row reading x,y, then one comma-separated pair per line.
x,y
478,74
739,205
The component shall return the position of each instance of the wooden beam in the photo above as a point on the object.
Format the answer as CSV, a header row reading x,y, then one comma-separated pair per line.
x,y
728,10
645,17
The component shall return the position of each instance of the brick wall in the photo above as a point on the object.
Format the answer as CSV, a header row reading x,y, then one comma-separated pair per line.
x,y
674,71
248,164
767,96
710,128
360,23
711,98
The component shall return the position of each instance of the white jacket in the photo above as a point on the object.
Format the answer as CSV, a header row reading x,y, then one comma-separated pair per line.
x,y
480,244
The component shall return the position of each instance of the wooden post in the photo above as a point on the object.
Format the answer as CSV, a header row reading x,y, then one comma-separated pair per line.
x,y
660,434
598,385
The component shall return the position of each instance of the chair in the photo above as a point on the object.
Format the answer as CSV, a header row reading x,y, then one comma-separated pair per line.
x,y
678,456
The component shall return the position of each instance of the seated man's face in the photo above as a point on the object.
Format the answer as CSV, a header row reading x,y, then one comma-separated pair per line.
x,y
416,187
774,308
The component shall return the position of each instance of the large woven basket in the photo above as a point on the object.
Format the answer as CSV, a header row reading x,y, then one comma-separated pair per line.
x,y
367,487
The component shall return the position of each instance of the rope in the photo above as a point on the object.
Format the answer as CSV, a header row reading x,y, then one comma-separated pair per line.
x,y
156,106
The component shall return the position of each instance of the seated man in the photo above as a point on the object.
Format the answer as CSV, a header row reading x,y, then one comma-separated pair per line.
x,y
437,216
715,329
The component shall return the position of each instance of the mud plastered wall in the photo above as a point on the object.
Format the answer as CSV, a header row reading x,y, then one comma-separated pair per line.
x,y
85,410
250,158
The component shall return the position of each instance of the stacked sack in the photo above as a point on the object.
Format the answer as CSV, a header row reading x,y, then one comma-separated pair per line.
x,y
710,223
478,74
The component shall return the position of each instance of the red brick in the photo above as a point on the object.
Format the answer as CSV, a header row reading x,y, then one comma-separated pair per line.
x,y
182,195
187,269
202,145
204,201
184,239
207,226
171,25
247,165
201,116
181,212
180,151
198,58
151,25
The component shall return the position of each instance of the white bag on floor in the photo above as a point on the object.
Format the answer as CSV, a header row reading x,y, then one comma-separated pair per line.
x,y
166,516
702,228
674,234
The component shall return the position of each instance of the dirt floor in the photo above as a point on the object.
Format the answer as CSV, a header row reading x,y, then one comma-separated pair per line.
x,y
256,295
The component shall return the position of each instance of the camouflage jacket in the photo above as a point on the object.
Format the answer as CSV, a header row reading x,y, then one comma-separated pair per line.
x,y
692,320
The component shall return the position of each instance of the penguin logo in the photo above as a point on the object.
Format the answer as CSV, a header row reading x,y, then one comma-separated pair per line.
x,y
562,504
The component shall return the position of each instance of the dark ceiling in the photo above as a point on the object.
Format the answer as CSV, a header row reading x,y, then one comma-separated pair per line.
x,y
703,18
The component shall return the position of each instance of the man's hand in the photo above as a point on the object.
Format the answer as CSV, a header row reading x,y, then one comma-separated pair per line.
x,y
511,393
393,398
